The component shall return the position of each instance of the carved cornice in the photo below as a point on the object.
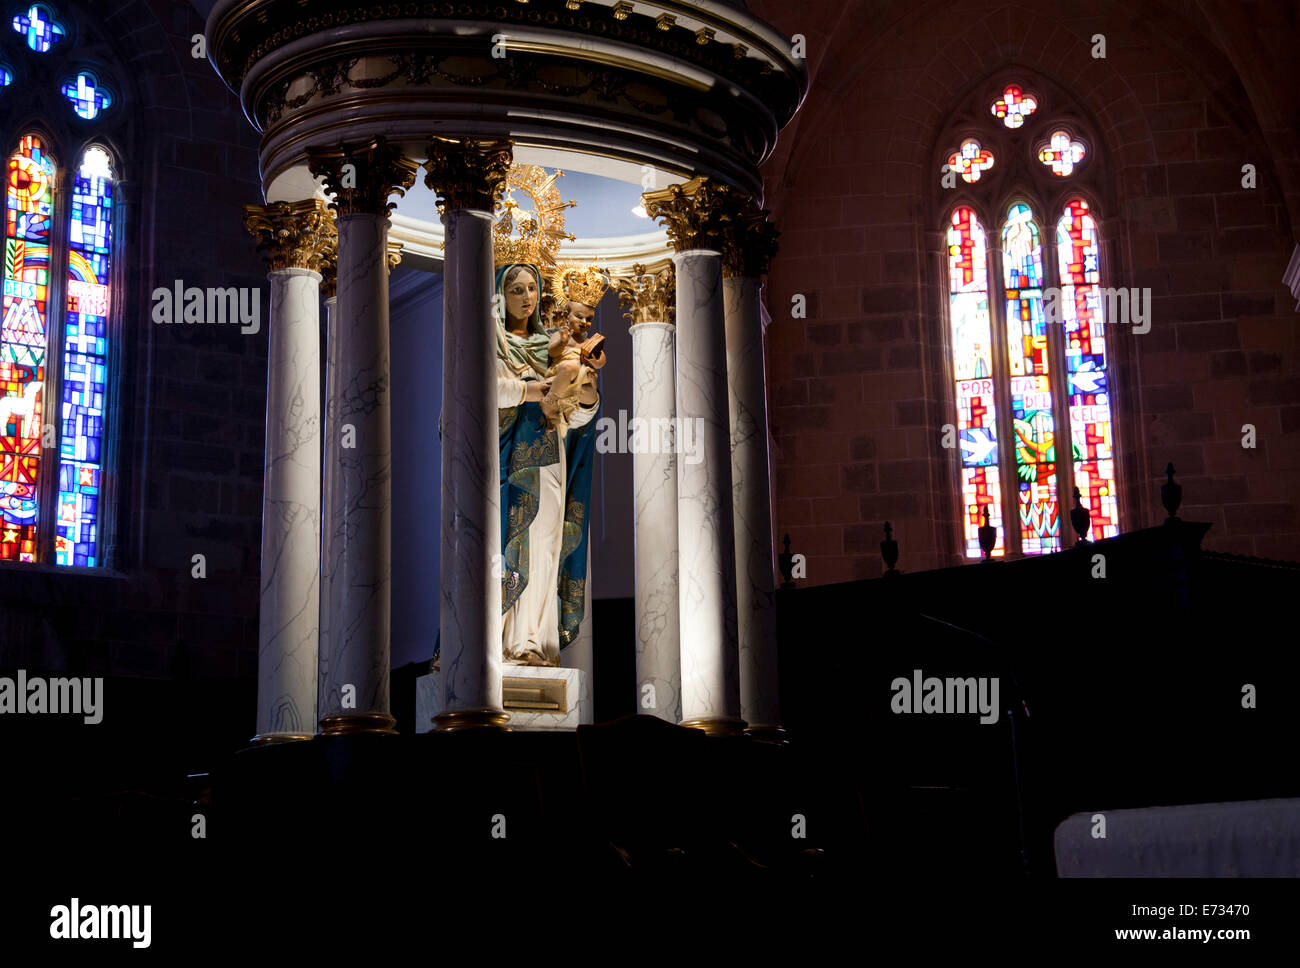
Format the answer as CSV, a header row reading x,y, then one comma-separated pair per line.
x,y
466,63
649,295
292,234
749,241
394,254
687,86
242,33
695,213
467,173
378,170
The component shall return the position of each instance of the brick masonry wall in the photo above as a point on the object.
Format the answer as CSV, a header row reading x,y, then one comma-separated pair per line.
x,y
192,397
859,389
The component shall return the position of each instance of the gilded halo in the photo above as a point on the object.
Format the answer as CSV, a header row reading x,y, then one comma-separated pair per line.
x,y
530,218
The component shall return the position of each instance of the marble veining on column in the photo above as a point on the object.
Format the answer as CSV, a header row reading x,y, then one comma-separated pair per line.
x,y
706,536
356,576
751,491
654,496
470,615
289,613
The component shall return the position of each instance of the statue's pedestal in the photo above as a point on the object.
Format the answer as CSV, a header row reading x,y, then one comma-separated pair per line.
x,y
536,697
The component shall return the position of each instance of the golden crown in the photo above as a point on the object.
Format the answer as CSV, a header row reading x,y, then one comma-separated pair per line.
x,y
581,285
540,223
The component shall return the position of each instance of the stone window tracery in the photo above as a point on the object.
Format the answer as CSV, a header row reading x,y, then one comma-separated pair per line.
x,y
1030,366
58,299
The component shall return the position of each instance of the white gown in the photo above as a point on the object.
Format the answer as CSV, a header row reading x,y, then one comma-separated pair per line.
x,y
533,623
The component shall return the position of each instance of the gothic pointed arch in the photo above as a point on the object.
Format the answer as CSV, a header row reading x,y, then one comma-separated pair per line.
x,y
67,128
1021,188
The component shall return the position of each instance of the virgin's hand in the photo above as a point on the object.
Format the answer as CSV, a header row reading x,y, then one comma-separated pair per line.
x,y
534,390
550,409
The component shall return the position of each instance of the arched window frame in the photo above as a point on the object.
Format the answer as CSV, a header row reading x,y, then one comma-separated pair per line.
x,y
35,90
1018,176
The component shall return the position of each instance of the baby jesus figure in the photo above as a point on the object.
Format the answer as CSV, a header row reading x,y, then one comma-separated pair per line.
x,y
574,361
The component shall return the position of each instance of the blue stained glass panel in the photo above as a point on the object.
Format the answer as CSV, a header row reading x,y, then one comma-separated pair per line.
x,y
38,27
85,370
87,96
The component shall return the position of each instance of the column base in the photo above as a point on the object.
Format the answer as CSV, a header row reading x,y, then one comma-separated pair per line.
x,y
720,726
768,734
536,697
266,739
473,719
358,723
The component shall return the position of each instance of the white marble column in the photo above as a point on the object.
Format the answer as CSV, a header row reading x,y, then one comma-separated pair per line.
x,y
464,175
329,382
356,503
294,237
289,615
654,498
705,530
752,510
354,666
470,608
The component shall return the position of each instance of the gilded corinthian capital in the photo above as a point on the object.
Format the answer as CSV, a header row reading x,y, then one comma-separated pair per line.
x,y
362,174
649,295
329,270
694,213
467,173
292,235
749,240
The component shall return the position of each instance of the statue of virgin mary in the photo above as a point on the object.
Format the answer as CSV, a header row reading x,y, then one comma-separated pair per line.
x,y
545,483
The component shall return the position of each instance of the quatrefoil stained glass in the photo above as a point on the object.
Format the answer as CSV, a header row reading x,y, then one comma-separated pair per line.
x,y
38,27
1061,154
970,159
87,96
1014,106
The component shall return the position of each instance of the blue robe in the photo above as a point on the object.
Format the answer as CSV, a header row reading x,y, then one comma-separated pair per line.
x,y
526,447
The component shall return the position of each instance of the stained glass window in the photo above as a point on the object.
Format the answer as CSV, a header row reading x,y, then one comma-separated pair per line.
x,y
969,160
1061,154
38,27
55,334
1031,392
87,96
972,346
1085,367
28,209
1030,365
84,362
1030,463
1014,106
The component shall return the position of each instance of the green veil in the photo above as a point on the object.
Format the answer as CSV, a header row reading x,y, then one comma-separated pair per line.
x,y
525,355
